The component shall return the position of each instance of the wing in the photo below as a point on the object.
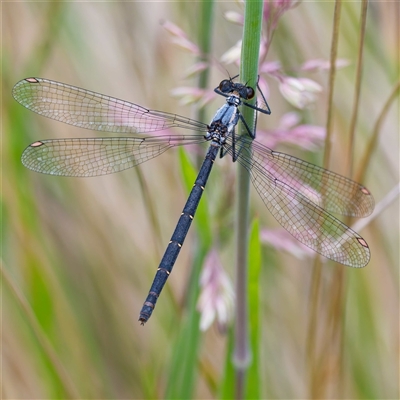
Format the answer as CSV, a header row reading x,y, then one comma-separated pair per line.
x,y
333,192
297,212
97,156
90,110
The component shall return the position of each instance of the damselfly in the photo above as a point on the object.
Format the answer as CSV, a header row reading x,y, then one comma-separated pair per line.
x,y
298,194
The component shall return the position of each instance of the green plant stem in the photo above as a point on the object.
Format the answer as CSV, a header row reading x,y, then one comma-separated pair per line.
x,y
365,162
205,42
317,382
45,344
357,88
332,76
248,74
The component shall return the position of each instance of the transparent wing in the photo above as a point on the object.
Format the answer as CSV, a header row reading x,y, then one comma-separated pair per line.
x,y
298,212
333,192
97,156
90,110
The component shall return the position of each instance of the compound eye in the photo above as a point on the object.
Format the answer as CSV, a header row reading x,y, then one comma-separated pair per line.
x,y
225,86
249,92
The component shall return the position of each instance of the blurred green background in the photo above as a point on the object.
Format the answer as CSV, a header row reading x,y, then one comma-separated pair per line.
x,y
79,255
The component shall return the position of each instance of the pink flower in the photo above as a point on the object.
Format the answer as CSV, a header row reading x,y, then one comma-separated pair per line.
x,y
190,95
270,67
274,9
180,38
233,54
216,297
234,17
289,130
196,68
300,92
323,65
281,239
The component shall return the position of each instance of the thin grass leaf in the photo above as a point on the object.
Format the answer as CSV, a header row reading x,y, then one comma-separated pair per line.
x,y
254,381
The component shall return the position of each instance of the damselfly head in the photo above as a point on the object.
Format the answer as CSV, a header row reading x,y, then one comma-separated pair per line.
x,y
227,86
